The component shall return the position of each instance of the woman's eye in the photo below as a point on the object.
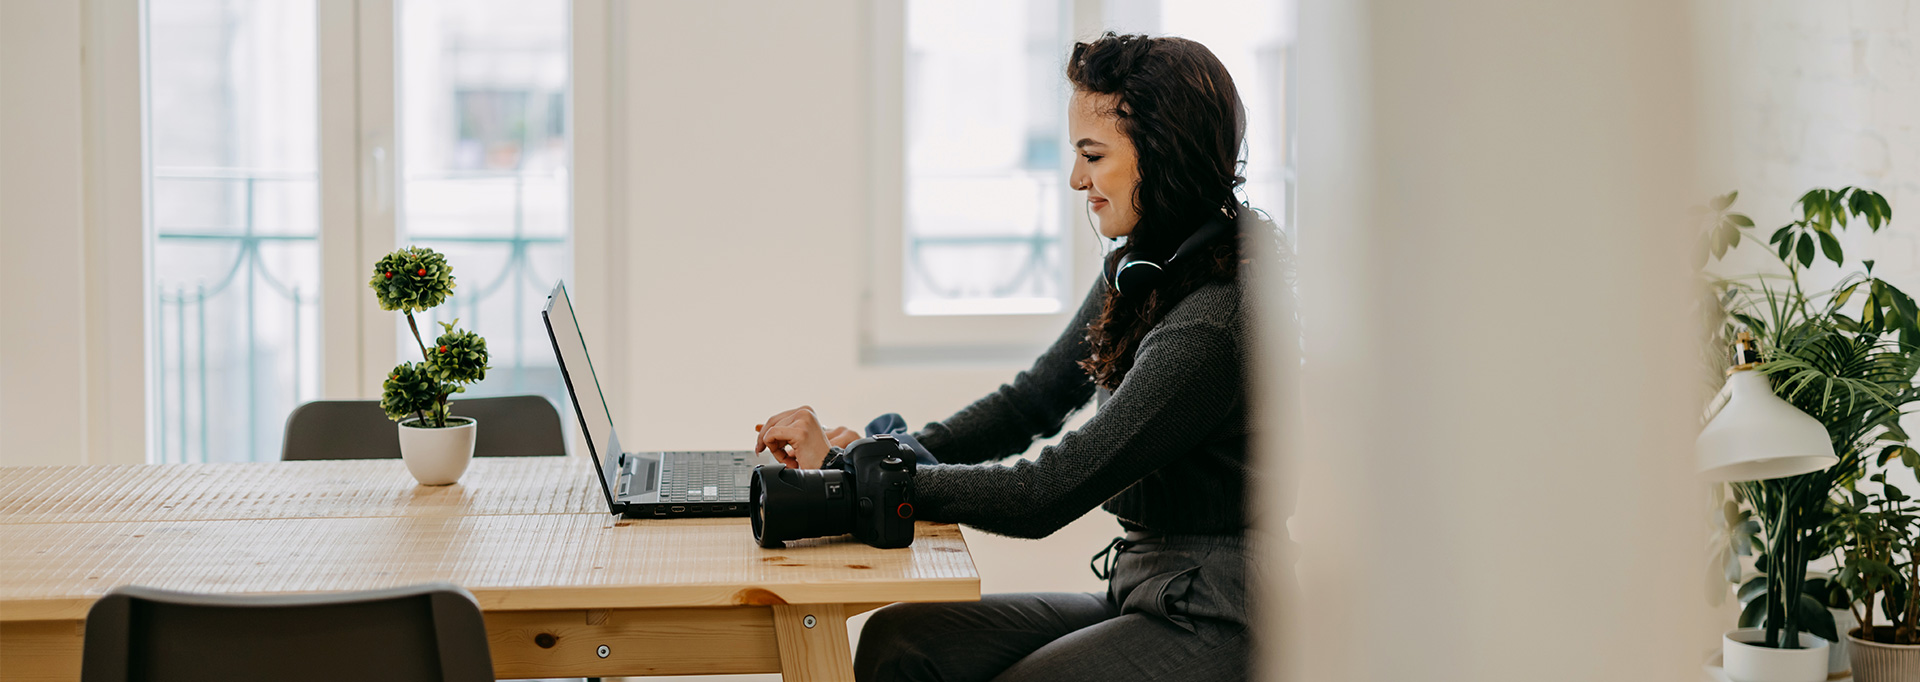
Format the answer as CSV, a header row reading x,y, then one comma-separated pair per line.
x,y
1091,158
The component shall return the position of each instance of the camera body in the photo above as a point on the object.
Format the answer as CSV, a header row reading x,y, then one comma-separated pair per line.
x,y
867,492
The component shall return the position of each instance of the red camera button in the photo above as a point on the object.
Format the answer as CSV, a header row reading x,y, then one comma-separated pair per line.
x,y
905,510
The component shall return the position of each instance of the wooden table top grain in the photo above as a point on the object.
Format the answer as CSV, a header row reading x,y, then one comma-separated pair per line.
x,y
520,533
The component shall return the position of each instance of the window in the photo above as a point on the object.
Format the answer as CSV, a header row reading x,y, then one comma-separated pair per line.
x,y
981,251
484,159
235,214
985,153
275,182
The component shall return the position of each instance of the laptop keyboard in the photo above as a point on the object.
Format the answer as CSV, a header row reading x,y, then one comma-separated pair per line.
x,y
702,477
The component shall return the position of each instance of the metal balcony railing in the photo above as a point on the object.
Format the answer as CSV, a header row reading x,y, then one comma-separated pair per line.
x,y
224,396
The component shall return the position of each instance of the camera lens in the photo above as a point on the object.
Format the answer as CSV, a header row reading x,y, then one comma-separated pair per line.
x,y
791,504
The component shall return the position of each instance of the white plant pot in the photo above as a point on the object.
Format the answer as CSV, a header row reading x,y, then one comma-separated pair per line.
x,y
1746,661
1876,662
1838,659
438,456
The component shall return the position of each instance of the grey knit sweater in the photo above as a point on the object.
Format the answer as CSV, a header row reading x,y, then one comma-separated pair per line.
x,y
1166,452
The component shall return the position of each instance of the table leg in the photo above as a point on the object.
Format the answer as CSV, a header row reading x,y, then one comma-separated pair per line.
x,y
813,642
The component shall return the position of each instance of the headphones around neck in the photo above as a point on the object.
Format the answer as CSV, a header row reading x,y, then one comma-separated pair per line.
x,y
1137,276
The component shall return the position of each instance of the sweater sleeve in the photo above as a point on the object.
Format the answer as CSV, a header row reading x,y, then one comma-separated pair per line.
x,y
1178,393
1035,405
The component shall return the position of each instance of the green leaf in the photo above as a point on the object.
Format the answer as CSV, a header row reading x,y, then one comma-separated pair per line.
x,y
1816,619
1830,247
1740,219
1780,234
1742,536
1756,587
1753,614
1811,203
1786,248
1757,325
1804,252
1840,298
1720,203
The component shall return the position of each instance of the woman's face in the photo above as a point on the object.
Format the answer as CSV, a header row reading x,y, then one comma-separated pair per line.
x,y
1105,165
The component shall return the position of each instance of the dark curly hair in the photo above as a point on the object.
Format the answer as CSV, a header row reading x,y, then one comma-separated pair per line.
x,y
1177,104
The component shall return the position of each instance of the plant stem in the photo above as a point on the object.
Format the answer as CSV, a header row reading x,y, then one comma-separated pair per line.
x,y
416,338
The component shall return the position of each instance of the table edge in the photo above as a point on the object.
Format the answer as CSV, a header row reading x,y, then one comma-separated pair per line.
x,y
503,599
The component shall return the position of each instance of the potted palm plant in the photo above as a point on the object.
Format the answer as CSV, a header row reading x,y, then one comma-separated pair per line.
x,y
1851,371
1877,558
435,444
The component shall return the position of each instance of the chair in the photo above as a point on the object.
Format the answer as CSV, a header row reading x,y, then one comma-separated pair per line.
x,y
515,425
423,632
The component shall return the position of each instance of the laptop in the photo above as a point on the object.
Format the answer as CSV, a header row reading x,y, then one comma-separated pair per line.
x,y
641,484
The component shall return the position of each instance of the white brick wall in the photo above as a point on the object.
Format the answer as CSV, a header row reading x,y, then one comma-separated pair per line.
x,y
1817,94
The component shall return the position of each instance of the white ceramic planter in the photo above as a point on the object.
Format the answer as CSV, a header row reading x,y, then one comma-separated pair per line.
x,y
1746,661
1876,662
438,456
1839,660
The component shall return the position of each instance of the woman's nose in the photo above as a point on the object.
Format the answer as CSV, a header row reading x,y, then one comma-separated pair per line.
x,y
1079,179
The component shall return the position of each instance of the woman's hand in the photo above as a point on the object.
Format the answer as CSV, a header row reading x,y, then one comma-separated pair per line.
x,y
842,436
795,437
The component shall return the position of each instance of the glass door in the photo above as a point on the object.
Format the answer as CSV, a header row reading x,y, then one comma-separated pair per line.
x,y
484,156
444,124
234,202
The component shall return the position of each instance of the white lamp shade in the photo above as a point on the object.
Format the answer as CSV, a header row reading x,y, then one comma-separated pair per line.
x,y
1758,436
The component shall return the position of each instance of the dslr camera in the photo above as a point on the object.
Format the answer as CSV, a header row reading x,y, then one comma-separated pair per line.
x,y
866,491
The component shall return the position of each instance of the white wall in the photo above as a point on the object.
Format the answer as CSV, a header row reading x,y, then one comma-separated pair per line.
x,y
1818,95
43,382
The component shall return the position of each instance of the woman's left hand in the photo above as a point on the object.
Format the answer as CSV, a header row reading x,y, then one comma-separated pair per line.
x,y
795,437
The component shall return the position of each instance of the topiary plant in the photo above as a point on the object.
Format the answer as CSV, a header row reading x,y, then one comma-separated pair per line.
x,y
411,280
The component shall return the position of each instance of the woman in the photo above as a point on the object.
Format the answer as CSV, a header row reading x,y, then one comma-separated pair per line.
x,y
1157,124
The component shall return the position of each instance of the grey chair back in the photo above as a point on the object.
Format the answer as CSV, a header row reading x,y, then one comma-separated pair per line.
x,y
510,426
424,632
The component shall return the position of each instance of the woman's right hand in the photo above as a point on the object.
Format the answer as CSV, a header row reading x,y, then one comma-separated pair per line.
x,y
796,438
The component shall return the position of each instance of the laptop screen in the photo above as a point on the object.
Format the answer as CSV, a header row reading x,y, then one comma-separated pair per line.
x,y
570,347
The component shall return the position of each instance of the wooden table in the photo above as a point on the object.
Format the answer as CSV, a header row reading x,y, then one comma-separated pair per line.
x,y
557,577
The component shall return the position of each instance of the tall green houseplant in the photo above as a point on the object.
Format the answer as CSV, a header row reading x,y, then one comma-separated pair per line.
x,y
415,279
1845,355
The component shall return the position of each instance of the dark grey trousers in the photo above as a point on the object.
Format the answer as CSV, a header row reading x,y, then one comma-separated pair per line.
x,y
1175,609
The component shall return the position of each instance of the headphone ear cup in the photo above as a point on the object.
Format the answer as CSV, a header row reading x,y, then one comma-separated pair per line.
x,y
1136,277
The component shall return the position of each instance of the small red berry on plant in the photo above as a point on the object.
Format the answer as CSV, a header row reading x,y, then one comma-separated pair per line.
x,y
422,272
443,349
389,274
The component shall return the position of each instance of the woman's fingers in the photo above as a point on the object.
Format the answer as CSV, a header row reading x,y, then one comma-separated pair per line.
x,y
760,440
795,437
841,436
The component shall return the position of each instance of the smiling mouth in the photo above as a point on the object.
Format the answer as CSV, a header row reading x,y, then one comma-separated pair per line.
x,y
1098,203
